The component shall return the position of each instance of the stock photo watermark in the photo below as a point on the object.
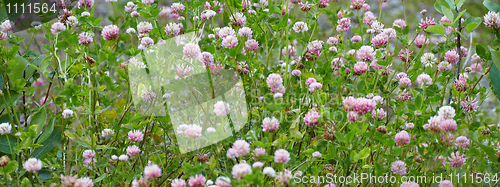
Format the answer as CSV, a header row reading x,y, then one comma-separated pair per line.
x,y
369,178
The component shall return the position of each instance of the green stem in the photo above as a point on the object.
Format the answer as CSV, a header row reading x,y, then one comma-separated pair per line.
x,y
380,12
376,81
38,178
404,11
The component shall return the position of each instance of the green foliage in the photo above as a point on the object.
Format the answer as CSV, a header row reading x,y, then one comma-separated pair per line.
x,y
54,140
495,80
494,7
438,29
7,143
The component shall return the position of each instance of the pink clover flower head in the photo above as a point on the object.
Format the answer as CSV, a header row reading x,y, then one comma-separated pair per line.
x,y
32,165
152,171
240,170
110,32
402,138
281,156
398,167
270,124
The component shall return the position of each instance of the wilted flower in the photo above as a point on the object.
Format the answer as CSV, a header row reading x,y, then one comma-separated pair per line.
x,y
68,180
461,84
323,3
357,4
